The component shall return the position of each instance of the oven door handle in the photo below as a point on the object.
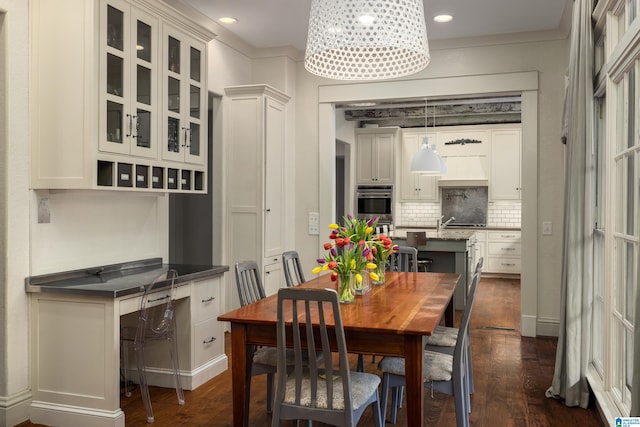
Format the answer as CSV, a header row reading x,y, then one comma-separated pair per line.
x,y
374,195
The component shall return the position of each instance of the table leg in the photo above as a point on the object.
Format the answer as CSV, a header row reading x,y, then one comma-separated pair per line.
x,y
241,375
413,380
450,314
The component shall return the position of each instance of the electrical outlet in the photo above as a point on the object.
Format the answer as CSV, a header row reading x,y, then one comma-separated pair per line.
x,y
314,223
547,228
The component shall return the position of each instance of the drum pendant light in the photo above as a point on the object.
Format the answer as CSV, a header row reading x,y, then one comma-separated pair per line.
x,y
366,40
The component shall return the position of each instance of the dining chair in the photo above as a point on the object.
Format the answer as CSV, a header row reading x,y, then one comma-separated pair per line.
x,y
307,318
292,268
156,321
405,258
443,339
250,290
442,372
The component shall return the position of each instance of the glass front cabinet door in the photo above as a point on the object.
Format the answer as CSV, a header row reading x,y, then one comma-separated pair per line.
x,y
185,98
128,87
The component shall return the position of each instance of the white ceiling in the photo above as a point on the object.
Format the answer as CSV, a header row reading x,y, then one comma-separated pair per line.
x,y
279,23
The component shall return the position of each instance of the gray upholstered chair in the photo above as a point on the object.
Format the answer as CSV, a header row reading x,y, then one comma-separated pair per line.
x,y
156,322
443,339
293,274
333,395
250,290
443,372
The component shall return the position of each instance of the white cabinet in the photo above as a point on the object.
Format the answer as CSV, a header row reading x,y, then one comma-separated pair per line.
x,y
481,247
273,276
503,252
98,99
413,186
207,333
505,165
128,118
375,149
254,141
185,97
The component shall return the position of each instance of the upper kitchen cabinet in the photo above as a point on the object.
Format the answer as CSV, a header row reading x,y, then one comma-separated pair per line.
x,y
185,97
128,118
414,186
100,99
254,144
375,159
505,164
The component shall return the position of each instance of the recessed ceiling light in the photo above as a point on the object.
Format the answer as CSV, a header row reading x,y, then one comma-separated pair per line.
x,y
227,20
442,18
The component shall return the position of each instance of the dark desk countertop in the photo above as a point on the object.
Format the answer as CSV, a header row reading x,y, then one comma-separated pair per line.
x,y
117,280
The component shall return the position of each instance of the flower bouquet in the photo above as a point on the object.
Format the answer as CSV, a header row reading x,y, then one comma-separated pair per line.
x,y
349,256
381,248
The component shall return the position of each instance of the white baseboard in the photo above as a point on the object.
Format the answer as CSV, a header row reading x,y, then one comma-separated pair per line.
x,y
528,326
52,414
548,327
190,380
15,409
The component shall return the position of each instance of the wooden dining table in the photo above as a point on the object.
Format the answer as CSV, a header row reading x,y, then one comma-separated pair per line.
x,y
390,320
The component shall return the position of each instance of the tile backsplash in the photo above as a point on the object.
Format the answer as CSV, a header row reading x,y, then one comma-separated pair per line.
x,y
426,214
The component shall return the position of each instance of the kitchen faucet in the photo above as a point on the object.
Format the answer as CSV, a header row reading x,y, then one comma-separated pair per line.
x,y
441,225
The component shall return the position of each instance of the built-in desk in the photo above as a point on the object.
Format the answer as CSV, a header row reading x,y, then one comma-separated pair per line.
x,y
452,251
75,344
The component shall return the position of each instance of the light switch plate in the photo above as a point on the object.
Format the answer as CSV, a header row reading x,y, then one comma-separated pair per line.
x,y
547,228
314,223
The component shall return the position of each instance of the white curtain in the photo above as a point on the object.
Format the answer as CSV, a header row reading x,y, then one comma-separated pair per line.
x,y
572,354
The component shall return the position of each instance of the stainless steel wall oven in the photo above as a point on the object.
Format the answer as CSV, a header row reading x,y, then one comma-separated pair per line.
x,y
375,201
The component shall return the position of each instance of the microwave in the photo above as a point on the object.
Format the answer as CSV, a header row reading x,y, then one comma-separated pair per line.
x,y
375,201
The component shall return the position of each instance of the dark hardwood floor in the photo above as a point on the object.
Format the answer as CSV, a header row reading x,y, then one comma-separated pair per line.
x,y
511,375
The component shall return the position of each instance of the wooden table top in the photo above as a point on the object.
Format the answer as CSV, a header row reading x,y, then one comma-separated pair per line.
x,y
407,303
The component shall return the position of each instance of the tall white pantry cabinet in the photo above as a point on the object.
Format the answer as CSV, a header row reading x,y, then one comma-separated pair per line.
x,y
254,141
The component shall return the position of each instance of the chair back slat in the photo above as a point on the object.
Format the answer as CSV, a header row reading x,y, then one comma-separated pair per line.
x,y
157,308
293,274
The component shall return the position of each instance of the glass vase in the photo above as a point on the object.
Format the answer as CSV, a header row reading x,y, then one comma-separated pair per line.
x,y
380,270
364,285
346,287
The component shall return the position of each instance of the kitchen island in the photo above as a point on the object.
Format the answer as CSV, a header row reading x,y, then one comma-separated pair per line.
x,y
75,337
451,251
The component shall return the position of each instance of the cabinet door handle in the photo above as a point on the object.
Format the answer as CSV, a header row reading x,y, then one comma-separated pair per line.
x,y
160,299
209,341
130,117
186,132
208,299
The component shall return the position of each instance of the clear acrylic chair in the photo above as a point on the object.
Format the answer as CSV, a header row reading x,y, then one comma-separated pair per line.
x,y
156,321
293,274
333,395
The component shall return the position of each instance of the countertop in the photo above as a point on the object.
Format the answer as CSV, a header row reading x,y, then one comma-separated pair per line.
x,y
117,280
433,234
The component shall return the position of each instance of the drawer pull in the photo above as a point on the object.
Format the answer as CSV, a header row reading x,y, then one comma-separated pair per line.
x,y
209,341
508,265
160,299
508,236
208,299
508,249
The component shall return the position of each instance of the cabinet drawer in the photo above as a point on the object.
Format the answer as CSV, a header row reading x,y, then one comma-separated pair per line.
x,y
208,341
504,236
205,300
504,249
504,265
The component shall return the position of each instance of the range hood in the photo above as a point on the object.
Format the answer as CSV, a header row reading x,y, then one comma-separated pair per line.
x,y
463,182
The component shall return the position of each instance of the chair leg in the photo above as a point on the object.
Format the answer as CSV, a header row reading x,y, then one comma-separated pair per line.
x,y
144,387
176,370
360,364
384,396
125,367
379,421
395,393
269,392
